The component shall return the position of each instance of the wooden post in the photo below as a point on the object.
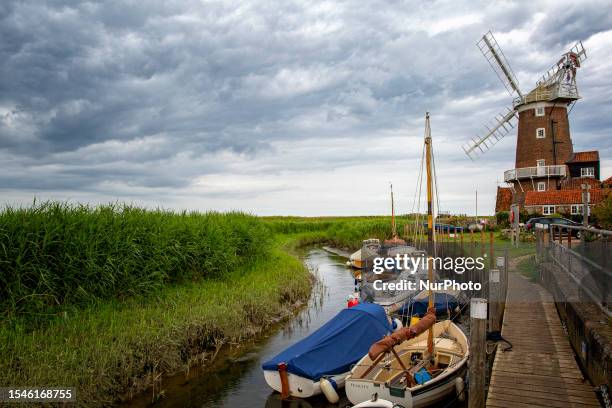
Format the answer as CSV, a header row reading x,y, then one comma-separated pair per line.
x,y
505,280
482,242
472,242
494,300
491,250
461,238
478,351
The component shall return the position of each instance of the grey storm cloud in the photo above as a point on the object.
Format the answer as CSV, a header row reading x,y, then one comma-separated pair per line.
x,y
160,94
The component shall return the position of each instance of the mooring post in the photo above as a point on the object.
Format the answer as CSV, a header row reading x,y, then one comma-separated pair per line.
x,y
482,242
494,300
491,249
472,242
505,279
478,351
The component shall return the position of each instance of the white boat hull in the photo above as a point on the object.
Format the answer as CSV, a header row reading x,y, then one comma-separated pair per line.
x,y
299,386
357,391
360,387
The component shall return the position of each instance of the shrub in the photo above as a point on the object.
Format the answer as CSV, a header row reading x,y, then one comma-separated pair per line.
x,y
503,219
603,213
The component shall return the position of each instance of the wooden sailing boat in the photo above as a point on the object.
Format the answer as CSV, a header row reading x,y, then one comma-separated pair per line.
x,y
417,365
395,239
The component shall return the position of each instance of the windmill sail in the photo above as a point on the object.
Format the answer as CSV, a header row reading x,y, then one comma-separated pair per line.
x,y
570,61
494,55
499,128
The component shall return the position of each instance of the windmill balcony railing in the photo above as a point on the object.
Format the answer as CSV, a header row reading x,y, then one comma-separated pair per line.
x,y
534,172
561,90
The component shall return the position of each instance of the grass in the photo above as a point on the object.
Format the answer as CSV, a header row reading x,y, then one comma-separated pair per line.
x,y
112,347
54,255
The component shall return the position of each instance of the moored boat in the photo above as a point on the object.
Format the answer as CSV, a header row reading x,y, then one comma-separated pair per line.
x,y
421,364
327,354
363,256
407,373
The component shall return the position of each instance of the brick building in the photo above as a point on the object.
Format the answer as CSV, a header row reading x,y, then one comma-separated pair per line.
x,y
548,174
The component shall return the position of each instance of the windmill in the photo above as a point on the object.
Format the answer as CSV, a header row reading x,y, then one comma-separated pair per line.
x,y
556,88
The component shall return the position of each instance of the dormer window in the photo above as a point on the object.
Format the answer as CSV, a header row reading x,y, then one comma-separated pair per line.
x,y
587,172
539,111
540,133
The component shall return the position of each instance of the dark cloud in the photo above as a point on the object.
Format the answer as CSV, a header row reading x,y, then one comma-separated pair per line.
x,y
158,94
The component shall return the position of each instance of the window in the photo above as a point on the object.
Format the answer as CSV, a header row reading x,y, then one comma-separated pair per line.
x,y
539,111
576,209
587,172
541,186
548,209
540,133
541,163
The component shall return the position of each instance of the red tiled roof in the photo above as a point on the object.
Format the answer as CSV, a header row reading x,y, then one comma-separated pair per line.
x,y
557,197
589,156
608,182
504,199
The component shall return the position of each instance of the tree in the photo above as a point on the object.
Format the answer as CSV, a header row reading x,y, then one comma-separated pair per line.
x,y
603,213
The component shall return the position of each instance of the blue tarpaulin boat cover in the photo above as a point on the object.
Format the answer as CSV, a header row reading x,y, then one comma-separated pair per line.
x,y
337,345
418,307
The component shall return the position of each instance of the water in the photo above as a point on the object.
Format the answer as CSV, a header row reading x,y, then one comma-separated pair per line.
x,y
236,379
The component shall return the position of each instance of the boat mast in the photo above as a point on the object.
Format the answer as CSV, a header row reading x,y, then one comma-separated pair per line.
x,y
393,228
430,226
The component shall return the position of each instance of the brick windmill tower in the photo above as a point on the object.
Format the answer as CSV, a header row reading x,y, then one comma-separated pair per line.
x,y
544,152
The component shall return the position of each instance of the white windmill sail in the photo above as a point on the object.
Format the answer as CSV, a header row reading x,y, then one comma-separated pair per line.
x,y
492,52
500,127
502,123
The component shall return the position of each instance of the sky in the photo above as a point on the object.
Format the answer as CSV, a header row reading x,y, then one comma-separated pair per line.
x,y
277,107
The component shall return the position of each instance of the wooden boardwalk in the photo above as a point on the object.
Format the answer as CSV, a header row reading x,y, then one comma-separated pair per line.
x,y
540,371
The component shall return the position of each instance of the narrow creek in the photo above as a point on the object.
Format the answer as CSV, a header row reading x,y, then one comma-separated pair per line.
x,y
235,380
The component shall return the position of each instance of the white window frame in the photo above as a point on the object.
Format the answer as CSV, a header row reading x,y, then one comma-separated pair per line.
x,y
589,173
543,133
548,209
541,163
576,209
541,186
540,111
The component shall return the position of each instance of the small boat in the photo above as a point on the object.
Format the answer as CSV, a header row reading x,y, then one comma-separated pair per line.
x,y
368,251
327,355
417,365
446,303
400,369
392,298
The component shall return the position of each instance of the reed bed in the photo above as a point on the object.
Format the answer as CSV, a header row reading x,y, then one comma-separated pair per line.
x,y
342,232
56,255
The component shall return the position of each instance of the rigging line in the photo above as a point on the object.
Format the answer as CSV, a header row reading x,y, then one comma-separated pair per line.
x,y
435,174
417,199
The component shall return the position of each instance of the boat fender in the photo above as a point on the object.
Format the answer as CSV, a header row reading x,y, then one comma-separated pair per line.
x,y
397,324
378,403
329,391
460,389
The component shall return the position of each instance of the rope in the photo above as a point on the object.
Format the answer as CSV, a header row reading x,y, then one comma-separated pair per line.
x,y
497,337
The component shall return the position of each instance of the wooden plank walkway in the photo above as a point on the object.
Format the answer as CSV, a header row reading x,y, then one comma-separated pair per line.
x,y
540,371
